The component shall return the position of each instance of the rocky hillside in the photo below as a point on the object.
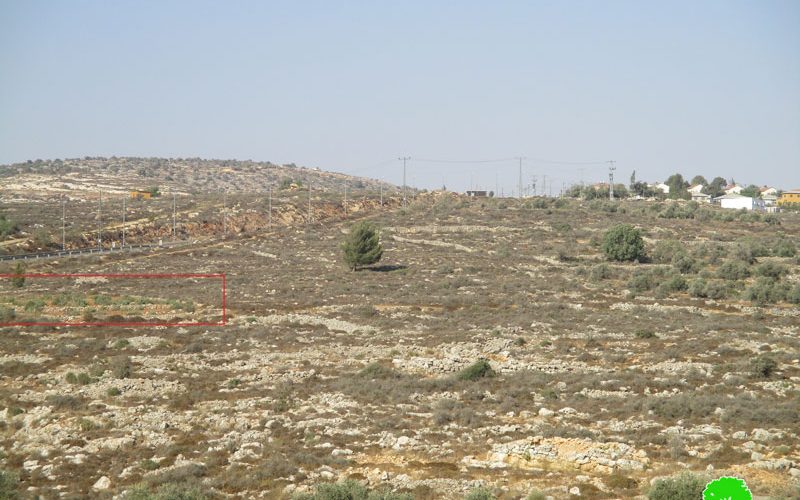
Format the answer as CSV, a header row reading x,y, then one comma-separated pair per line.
x,y
189,175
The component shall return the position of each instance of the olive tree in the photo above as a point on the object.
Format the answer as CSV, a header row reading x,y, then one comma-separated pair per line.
x,y
623,242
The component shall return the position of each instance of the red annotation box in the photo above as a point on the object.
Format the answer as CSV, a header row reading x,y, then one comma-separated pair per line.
x,y
214,286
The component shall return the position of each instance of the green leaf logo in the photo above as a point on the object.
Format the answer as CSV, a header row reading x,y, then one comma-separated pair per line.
x,y
727,488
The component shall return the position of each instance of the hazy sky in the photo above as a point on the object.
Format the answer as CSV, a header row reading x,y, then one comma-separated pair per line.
x,y
709,87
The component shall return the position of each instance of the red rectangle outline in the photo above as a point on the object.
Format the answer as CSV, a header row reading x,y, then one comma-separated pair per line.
x,y
223,322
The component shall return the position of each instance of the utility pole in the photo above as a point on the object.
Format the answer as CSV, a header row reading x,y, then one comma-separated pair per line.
x,y
534,185
63,215
405,159
544,185
174,228
611,169
100,221
519,183
124,212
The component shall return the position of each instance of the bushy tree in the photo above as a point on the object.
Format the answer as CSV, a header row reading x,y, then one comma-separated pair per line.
x,y
677,187
752,191
362,246
623,242
715,187
699,179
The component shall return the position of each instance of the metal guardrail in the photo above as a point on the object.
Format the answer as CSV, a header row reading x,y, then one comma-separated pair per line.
x,y
83,251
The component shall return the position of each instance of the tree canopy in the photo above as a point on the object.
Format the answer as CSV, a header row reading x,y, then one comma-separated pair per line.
x,y
677,187
362,246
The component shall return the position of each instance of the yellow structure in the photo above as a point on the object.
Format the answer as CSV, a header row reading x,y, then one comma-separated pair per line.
x,y
141,195
787,197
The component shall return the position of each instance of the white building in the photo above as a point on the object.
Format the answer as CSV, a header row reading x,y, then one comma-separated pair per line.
x,y
738,202
661,187
696,188
701,197
769,191
733,189
770,200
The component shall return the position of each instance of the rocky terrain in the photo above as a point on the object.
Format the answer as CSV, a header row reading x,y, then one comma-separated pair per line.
x,y
492,348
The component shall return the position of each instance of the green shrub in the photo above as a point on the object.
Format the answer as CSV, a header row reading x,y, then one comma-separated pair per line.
x,y
666,250
600,272
7,314
766,291
350,490
733,270
71,378
377,370
477,370
794,295
675,283
685,486
121,367
480,494
644,280
784,248
536,495
763,366
167,491
684,264
770,270
113,391
623,243
18,280
708,289
9,484
645,334
6,226
148,464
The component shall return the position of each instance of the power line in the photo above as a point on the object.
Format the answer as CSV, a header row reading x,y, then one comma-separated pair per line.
x,y
498,160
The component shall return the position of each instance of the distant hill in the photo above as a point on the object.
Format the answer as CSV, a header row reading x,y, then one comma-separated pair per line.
x,y
181,174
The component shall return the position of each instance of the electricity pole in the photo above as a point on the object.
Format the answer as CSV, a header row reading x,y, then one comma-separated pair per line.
x,y
63,215
519,183
405,159
174,229
611,169
544,185
309,202
100,221
124,212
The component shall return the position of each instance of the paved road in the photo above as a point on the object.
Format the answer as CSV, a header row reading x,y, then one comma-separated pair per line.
x,y
84,251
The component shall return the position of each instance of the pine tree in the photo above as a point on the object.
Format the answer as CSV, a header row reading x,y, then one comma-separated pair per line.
x,y
362,246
